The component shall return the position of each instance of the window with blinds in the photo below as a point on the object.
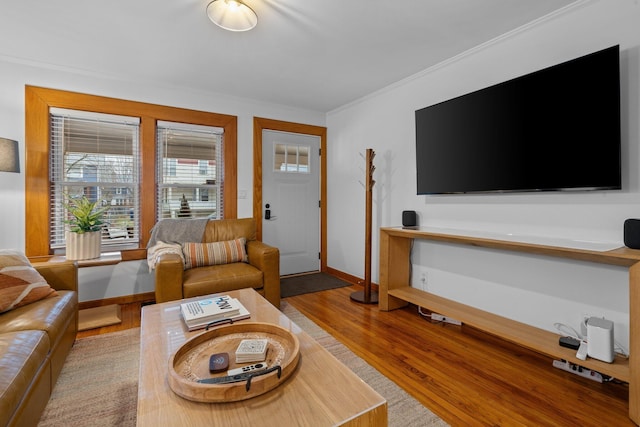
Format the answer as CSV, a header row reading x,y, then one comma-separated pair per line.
x,y
96,155
190,171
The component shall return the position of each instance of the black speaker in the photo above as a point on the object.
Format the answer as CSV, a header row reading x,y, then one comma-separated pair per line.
x,y
409,218
632,233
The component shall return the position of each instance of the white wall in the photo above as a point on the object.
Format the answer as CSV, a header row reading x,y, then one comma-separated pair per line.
x,y
130,277
534,290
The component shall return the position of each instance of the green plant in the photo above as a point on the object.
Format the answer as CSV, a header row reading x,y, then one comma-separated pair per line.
x,y
86,216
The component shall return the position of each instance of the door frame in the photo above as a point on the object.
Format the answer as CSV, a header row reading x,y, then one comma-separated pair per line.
x,y
260,124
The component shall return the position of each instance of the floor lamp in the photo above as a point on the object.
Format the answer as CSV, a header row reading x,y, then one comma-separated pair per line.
x,y
366,296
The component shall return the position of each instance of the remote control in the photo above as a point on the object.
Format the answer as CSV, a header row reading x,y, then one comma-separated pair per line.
x,y
251,369
582,351
225,380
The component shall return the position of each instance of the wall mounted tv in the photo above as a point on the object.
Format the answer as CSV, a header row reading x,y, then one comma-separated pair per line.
x,y
552,130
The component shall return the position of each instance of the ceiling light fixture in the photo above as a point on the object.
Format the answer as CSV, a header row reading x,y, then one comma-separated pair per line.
x,y
232,15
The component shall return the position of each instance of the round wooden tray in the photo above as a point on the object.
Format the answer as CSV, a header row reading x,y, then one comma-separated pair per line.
x,y
190,362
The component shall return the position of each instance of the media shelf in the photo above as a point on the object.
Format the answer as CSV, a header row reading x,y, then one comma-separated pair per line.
x,y
519,333
395,292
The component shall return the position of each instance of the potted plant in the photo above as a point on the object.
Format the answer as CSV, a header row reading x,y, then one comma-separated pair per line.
x,y
85,228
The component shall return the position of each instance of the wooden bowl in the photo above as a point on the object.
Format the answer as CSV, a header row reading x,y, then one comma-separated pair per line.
x,y
190,362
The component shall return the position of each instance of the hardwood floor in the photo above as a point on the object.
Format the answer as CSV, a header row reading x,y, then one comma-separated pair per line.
x,y
463,375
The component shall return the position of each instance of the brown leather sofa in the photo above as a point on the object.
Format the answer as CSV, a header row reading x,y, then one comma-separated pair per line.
x,y
262,272
35,340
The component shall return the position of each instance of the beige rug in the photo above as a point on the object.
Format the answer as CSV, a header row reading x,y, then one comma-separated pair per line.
x,y
98,385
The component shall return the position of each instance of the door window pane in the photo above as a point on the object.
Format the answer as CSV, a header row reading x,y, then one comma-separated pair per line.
x,y
291,158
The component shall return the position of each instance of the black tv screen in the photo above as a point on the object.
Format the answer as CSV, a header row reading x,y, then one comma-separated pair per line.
x,y
554,129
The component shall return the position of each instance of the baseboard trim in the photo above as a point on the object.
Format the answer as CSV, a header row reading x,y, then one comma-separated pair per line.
x,y
146,297
354,280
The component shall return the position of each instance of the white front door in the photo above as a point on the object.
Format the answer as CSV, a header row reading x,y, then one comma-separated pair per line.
x,y
291,199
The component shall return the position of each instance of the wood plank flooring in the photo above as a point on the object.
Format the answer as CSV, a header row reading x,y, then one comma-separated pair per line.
x,y
465,376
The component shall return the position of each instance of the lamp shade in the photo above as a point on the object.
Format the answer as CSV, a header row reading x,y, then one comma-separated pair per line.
x,y
232,15
9,159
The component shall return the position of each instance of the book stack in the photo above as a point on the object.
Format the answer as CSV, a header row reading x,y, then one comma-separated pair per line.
x,y
198,314
251,351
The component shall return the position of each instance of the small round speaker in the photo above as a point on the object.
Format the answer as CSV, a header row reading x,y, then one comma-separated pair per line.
x,y
632,233
409,219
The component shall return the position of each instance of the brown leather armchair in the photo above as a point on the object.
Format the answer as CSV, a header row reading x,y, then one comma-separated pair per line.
x,y
262,272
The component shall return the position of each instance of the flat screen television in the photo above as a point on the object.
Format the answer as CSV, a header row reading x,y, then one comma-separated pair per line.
x,y
552,130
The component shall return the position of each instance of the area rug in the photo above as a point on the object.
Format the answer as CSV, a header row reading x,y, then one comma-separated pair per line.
x,y
307,283
98,385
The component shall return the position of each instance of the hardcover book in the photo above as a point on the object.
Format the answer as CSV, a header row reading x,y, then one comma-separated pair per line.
x,y
198,314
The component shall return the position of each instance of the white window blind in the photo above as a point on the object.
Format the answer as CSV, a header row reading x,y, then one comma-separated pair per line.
x,y
190,171
96,155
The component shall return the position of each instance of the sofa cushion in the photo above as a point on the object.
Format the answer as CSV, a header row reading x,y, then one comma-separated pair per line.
x,y
20,283
50,315
221,278
215,253
23,354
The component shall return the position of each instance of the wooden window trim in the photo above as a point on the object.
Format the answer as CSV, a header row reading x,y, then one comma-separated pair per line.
x,y
39,100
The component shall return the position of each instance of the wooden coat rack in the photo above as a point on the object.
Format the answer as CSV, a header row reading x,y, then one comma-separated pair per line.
x,y
367,296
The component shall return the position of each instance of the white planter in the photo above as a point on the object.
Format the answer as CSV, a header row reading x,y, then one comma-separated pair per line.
x,y
83,245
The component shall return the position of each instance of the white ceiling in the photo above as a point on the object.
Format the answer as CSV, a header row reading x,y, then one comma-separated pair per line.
x,y
311,54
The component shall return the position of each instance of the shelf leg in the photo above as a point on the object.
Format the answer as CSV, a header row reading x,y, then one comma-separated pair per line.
x,y
634,343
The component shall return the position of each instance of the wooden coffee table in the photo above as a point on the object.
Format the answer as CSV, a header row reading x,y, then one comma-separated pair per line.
x,y
321,391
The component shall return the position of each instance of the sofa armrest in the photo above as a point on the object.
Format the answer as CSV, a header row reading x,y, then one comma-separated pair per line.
x,y
266,259
168,281
62,276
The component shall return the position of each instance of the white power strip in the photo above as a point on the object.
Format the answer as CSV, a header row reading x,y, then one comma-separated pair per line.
x,y
578,370
440,318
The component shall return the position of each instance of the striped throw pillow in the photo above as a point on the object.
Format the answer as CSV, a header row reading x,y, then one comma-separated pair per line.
x,y
20,283
201,254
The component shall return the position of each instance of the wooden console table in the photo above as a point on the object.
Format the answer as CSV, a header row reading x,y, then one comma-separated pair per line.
x,y
395,292
96,317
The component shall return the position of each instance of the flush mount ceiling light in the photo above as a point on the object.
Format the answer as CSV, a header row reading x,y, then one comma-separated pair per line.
x,y
232,15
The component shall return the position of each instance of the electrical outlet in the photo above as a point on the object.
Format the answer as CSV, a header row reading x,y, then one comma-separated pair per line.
x,y
423,278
